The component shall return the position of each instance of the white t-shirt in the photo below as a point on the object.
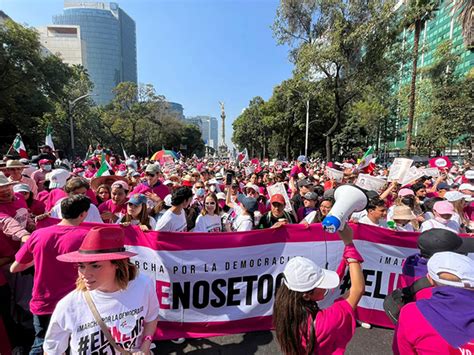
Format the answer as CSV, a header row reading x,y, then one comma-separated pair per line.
x,y
171,222
453,226
208,223
93,215
406,228
243,223
124,312
365,220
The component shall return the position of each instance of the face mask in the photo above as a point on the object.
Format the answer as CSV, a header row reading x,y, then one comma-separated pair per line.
x,y
47,167
442,220
200,192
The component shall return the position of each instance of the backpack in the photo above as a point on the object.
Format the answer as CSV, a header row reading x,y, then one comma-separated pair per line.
x,y
394,302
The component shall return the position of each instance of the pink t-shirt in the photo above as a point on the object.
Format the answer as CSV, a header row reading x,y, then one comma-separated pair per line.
x,y
414,335
53,279
297,169
334,328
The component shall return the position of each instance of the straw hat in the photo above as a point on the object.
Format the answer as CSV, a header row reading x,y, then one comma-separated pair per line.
x,y
5,182
14,164
403,213
107,180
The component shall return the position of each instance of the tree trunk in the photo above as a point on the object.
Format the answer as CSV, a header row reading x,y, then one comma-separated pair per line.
x,y
328,149
412,99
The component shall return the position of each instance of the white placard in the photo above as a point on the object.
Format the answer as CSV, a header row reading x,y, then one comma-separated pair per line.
x,y
279,188
369,182
412,174
334,174
433,172
399,168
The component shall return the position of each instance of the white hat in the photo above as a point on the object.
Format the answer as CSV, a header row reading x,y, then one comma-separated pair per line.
x,y
221,196
219,176
459,265
254,187
465,186
452,196
469,174
21,188
167,200
303,275
57,178
167,182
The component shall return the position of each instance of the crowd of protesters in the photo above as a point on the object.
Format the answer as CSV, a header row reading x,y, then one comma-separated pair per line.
x,y
212,195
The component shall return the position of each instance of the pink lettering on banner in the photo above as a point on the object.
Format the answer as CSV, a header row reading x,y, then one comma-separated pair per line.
x,y
212,284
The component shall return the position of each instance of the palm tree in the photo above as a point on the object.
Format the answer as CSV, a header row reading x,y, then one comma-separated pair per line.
x,y
417,12
464,9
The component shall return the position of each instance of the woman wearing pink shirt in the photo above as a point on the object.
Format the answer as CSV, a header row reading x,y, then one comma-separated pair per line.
x,y
301,327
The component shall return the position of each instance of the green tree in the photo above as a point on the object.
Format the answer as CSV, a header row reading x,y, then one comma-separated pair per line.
x,y
464,9
417,12
345,44
29,82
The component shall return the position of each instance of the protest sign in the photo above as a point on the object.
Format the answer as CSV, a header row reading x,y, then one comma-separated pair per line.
x,y
399,168
249,170
279,188
369,182
433,172
334,174
411,175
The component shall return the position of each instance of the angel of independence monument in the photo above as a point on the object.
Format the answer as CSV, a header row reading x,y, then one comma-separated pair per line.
x,y
223,150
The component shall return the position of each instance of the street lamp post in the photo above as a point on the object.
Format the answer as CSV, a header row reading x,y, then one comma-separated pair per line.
x,y
307,130
71,120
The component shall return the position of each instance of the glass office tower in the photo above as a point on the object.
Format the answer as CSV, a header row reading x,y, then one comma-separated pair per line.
x,y
110,39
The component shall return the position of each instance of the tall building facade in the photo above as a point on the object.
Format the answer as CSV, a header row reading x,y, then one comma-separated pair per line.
x,y
65,42
442,26
109,35
175,109
209,129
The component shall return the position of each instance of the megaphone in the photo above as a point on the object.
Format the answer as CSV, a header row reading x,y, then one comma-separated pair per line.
x,y
349,199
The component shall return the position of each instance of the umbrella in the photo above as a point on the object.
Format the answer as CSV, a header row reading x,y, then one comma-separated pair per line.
x,y
161,153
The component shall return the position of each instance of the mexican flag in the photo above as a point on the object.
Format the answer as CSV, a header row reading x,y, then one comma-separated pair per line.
x,y
243,156
49,137
104,168
19,147
367,162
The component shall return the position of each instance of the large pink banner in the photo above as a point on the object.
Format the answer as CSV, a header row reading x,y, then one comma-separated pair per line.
x,y
212,284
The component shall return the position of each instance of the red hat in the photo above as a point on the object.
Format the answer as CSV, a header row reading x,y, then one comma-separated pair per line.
x,y
44,161
278,198
99,244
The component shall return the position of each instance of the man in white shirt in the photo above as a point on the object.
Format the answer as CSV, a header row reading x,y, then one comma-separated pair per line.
x,y
174,219
376,213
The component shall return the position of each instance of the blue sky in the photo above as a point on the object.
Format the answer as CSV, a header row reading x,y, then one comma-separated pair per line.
x,y
195,52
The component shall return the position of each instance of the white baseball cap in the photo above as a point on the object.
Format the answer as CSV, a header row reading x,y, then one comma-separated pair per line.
x,y
303,275
21,188
452,196
458,265
465,186
469,174
57,178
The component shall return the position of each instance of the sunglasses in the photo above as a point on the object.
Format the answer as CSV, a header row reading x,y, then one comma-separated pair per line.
x,y
210,203
150,174
277,205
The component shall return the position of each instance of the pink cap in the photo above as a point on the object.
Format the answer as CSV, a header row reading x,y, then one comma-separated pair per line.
x,y
443,207
405,192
